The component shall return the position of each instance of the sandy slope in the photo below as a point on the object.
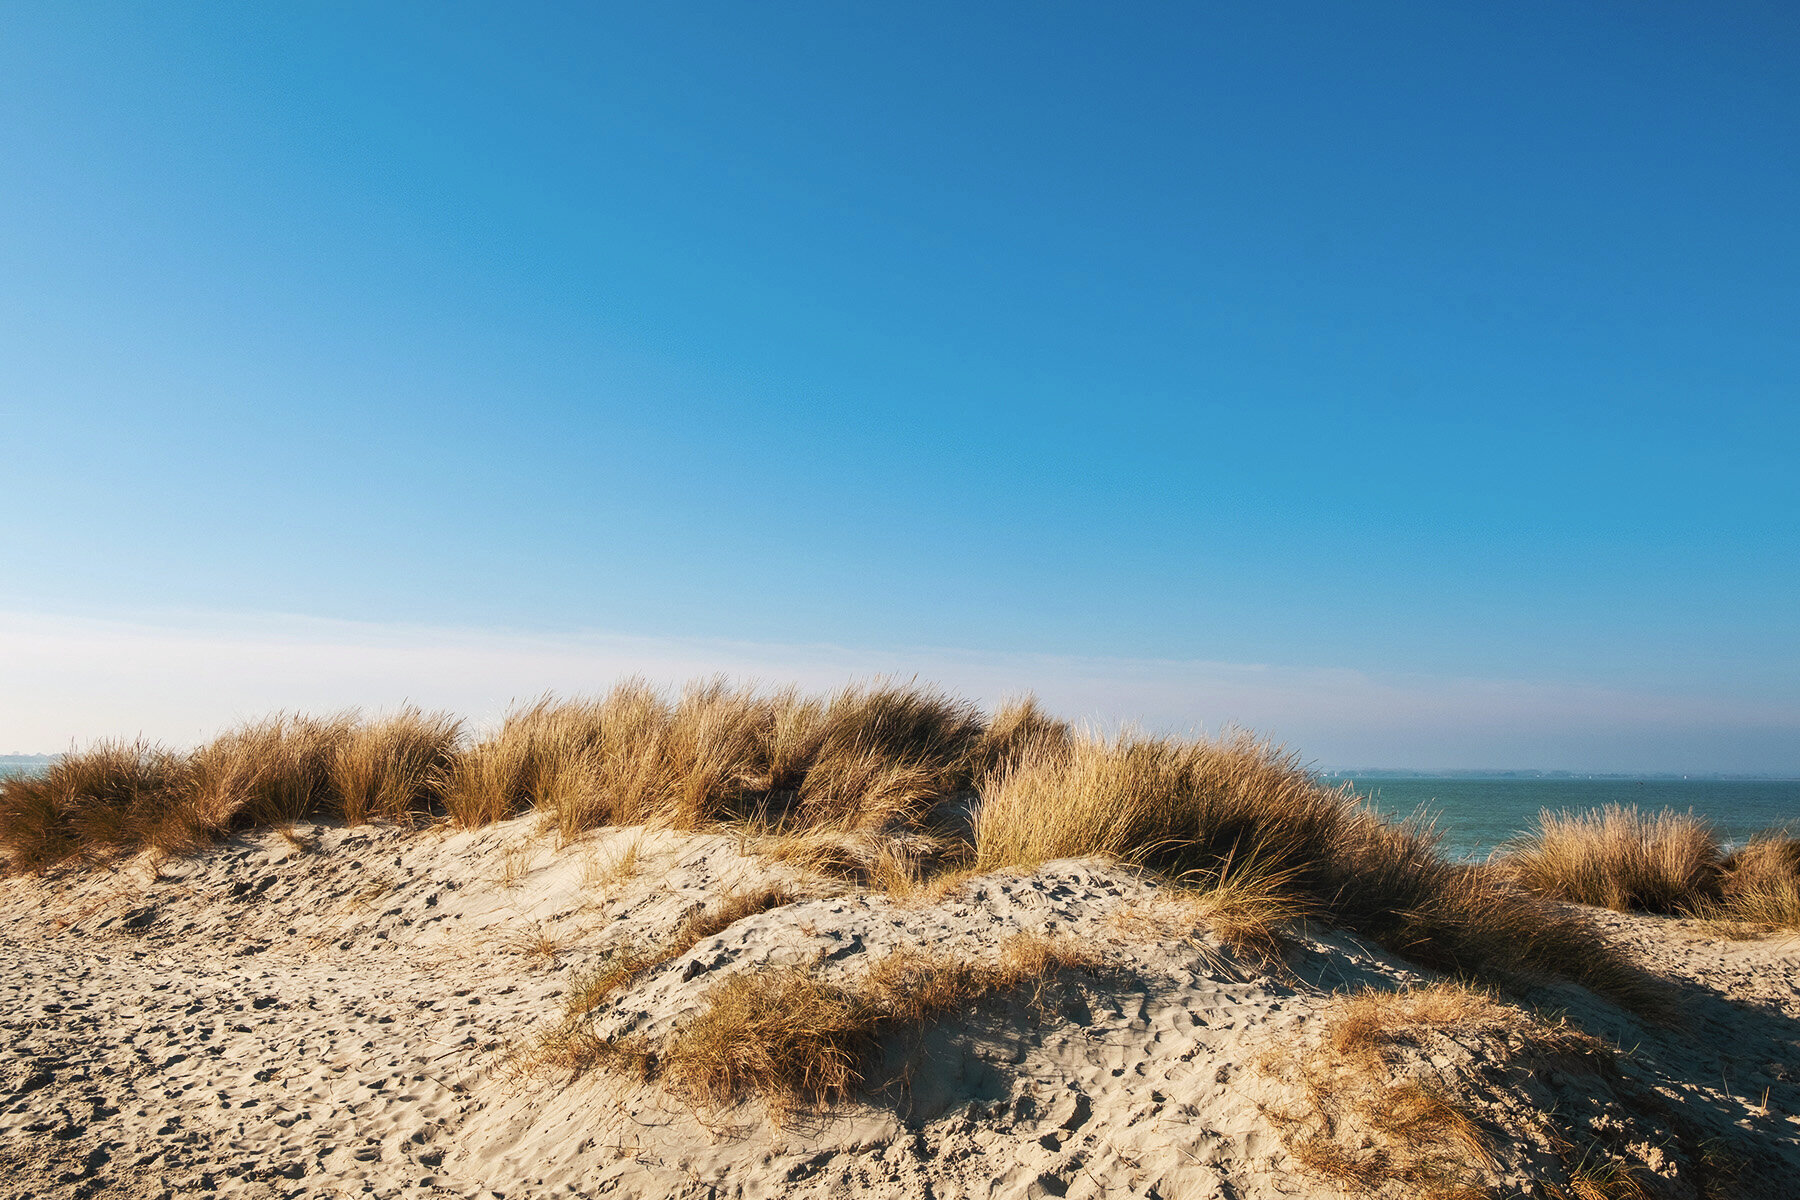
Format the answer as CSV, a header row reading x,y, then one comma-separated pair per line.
x,y
265,1021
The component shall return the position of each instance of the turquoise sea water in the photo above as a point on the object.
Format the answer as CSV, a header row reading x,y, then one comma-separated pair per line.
x,y
1477,813
24,764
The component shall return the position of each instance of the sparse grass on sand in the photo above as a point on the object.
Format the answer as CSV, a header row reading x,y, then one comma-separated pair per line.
x,y
1602,1178
629,960
795,1041
1372,1117
782,1034
1249,906
1665,862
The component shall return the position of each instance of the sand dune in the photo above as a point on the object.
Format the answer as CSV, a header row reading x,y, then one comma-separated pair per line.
x,y
353,1011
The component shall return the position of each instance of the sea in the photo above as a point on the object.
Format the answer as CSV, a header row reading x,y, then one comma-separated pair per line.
x,y
1475,813
25,764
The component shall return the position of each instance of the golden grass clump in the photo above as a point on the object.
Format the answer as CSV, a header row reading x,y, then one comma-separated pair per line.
x,y
1366,1022
795,1041
1192,808
730,908
869,756
1665,862
271,772
1619,858
713,757
1020,730
885,752
544,755
1760,883
119,797
909,987
791,739
395,768
1181,806
112,796
902,863
783,1034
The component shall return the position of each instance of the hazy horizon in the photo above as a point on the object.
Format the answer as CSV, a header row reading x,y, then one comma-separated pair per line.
x,y
186,678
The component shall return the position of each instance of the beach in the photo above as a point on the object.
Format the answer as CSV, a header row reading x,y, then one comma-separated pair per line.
x,y
354,1011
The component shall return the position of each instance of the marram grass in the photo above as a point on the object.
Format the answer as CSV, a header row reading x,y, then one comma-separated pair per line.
x,y
897,784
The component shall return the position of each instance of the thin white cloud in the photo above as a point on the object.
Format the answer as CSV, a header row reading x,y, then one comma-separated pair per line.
x,y
179,679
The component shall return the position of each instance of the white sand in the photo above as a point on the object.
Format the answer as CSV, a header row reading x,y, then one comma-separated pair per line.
x,y
258,1021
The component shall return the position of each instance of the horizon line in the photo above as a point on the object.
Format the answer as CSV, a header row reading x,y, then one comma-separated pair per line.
x,y
175,677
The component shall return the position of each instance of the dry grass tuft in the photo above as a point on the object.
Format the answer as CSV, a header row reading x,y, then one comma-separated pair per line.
x,y
119,797
1370,1022
269,772
912,987
710,763
542,756
1244,904
395,768
1411,1112
1620,858
113,796
727,911
903,863
782,1034
869,756
1019,731
885,753
573,1046
536,945
795,1041
1247,905
1761,883
1666,862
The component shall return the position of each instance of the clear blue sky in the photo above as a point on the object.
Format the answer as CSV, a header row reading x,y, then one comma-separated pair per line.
x,y
1437,339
